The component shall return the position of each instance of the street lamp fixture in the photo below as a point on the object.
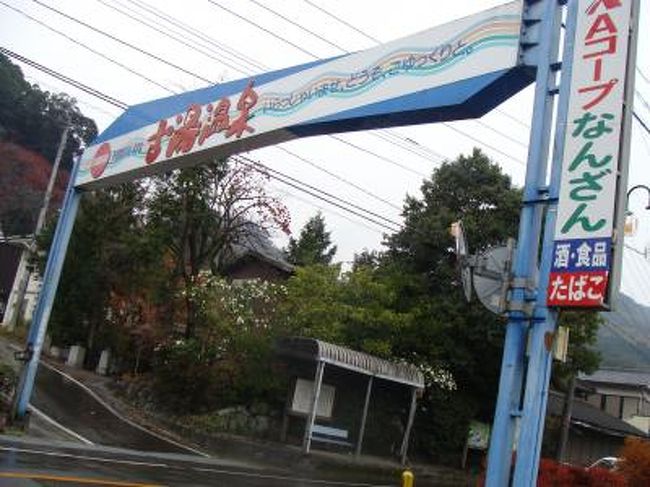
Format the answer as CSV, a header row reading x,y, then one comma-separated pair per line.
x,y
634,188
630,221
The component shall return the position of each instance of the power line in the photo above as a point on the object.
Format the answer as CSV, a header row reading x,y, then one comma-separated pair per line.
x,y
344,50
301,158
327,210
180,40
338,177
55,74
120,41
642,98
641,122
645,141
456,129
266,170
314,188
270,32
502,134
340,20
377,41
645,78
378,156
301,27
513,118
410,145
84,46
193,31
54,89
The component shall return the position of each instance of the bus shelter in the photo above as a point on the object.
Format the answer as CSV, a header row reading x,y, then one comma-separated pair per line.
x,y
326,378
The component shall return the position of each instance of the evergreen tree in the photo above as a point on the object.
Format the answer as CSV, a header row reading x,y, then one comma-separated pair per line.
x,y
313,246
463,337
110,252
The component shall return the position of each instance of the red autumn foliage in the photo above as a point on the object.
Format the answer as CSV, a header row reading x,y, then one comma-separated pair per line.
x,y
554,474
25,169
635,462
24,175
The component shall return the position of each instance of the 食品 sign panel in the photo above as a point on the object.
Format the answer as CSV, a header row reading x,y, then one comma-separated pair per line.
x,y
582,252
456,70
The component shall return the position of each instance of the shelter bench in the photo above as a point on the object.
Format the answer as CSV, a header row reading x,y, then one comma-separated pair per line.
x,y
328,434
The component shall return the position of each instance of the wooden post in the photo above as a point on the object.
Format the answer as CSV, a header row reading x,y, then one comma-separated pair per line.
x,y
364,416
409,425
318,380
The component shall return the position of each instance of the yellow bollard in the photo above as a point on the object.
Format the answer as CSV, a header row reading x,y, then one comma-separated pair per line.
x,y
408,478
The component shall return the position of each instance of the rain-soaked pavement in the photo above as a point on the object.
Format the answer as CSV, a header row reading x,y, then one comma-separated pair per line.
x,y
59,397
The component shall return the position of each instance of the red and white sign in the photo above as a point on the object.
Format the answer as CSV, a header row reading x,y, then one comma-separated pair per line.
x,y
591,162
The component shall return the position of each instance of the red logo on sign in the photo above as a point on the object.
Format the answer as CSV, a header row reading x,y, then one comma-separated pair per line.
x,y
100,160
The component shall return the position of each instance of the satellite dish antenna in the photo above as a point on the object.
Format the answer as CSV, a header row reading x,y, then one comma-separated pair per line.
x,y
492,276
462,254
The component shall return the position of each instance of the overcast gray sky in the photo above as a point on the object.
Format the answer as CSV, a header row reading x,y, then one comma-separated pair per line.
x,y
408,154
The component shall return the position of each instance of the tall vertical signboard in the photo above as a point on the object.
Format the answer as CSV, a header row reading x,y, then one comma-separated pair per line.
x,y
594,166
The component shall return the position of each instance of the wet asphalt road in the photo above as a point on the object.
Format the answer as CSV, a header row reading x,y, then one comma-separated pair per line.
x,y
25,464
65,401
128,456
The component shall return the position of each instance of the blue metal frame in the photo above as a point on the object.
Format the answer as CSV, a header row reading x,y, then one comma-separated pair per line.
x,y
545,320
51,277
525,264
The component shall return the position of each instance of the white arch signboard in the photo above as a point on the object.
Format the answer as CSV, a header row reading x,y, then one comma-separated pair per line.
x,y
458,70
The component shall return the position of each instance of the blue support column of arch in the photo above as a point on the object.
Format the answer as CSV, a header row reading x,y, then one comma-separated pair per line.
x,y
546,16
51,278
545,320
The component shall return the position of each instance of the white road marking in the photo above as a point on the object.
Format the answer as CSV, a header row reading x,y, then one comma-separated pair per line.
x,y
82,457
292,479
120,416
53,422
236,473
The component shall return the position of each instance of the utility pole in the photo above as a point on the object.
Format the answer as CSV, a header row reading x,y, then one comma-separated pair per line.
x,y
15,303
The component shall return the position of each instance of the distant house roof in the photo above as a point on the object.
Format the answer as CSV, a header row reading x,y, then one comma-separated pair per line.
x,y
587,416
255,242
320,351
619,377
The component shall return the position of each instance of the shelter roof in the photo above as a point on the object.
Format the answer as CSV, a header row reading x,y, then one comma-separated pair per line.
x,y
363,363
